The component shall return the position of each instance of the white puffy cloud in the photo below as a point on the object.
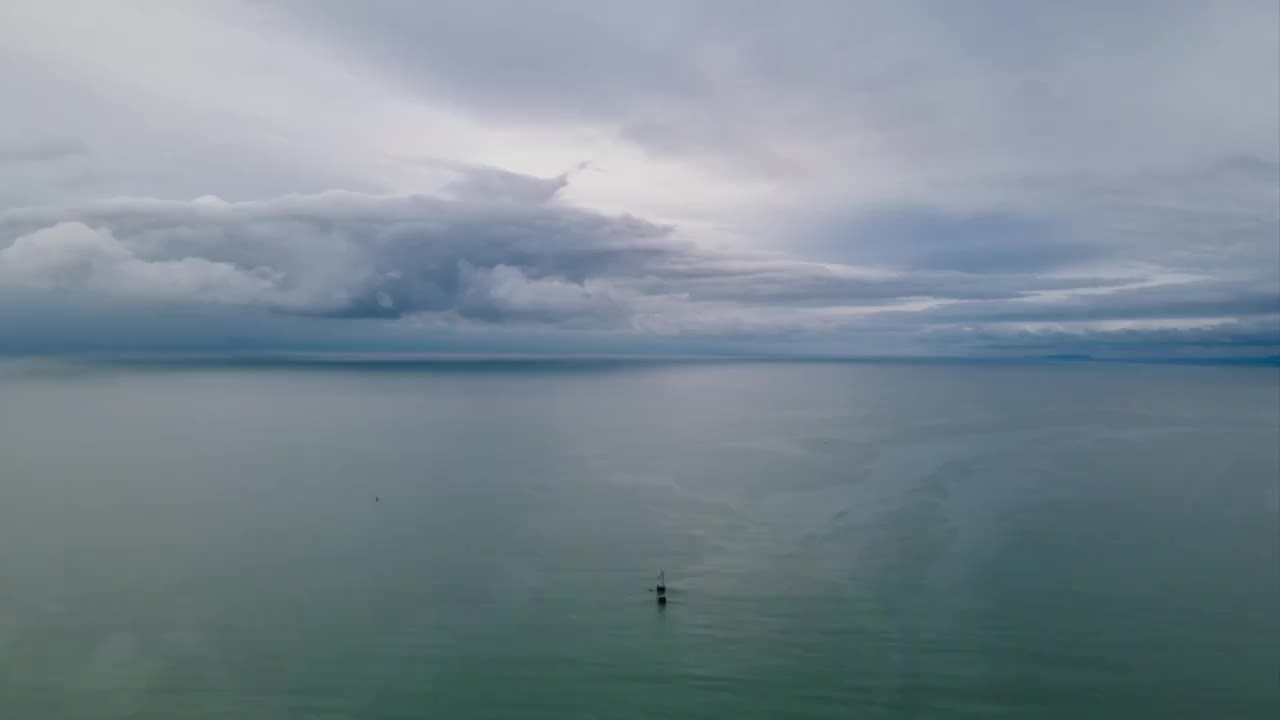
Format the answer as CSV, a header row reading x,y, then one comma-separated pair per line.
x,y
503,292
72,256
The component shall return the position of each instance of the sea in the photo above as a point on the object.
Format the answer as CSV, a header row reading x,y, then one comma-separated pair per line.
x,y
479,538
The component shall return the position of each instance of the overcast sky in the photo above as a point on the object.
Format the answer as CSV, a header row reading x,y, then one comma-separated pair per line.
x,y
936,178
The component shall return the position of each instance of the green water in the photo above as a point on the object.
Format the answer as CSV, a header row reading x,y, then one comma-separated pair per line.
x,y
841,540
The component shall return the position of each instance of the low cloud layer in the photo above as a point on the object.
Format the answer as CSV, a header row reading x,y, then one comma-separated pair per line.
x,y
508,264
350,255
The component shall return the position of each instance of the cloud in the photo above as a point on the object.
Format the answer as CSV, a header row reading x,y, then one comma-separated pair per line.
x,y
438,262
989,88
915,135
483,183
1170,301
73,256
33,148
1233,339
910,176
983,242
337,254
352,255
503,292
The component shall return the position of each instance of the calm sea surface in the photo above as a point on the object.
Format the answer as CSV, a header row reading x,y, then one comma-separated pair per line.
x,y
477,540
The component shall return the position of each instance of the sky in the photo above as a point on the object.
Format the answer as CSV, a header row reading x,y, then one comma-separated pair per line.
x,y
812,177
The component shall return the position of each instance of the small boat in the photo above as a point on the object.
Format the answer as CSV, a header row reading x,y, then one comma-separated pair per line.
x,y
662,583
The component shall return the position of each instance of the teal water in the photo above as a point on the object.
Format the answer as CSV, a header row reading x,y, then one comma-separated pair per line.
x,y
841,540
